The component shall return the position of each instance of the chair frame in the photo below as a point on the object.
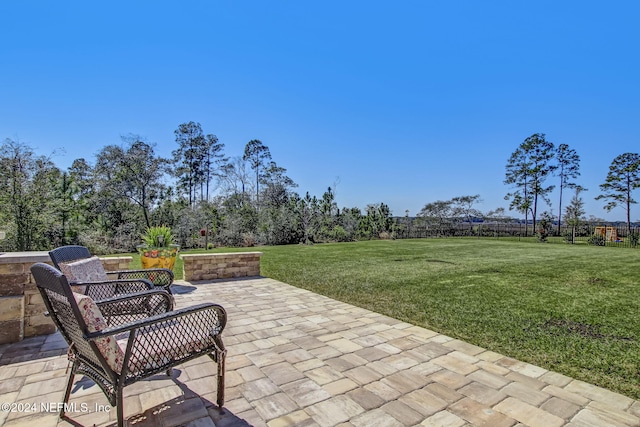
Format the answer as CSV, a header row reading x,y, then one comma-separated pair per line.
x,y
161,278
180,330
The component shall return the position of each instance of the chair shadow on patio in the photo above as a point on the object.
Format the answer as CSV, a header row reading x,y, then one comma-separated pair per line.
x,y
181,289
188,406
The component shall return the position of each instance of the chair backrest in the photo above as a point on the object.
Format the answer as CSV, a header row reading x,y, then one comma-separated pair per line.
x,y
68,254
63,309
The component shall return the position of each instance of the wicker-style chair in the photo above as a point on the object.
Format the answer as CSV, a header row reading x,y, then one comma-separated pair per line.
x,y
159,277
117,356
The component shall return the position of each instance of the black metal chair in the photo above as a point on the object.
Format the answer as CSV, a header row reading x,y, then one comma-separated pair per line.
x,y
159,277
118,356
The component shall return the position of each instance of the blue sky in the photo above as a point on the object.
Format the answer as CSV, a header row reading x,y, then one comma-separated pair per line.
x,y
404,102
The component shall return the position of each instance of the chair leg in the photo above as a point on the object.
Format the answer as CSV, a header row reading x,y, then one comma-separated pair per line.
x,y
120,406
67,392
221,355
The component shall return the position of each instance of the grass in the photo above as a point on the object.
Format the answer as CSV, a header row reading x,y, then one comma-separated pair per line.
x,y
570,309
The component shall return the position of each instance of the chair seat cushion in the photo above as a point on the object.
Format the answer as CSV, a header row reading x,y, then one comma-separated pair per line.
x,y
95,322
160,345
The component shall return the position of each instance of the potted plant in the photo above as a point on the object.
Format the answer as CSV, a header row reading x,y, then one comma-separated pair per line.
x,y
158,249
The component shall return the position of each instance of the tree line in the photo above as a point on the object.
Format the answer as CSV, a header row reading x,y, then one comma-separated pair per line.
x,y
206,197
209,198
536,160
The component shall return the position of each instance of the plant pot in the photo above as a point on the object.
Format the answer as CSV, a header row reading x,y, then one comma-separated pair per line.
x,y
158,257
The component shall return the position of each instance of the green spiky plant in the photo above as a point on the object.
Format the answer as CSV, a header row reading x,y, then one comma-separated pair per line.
x,y
158,236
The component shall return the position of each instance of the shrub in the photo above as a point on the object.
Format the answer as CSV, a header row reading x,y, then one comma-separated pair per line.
x,y
597,240
542,235
545,224
339,234
248,239
125,238
95,241
567,236
385,235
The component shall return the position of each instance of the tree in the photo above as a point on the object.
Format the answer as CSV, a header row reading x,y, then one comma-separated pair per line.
x,y
568,163
307,212
438,213
463,206
527,169
213,162
277,185
235,176
277,217
518,176
81,174
168,208
26,195
350,219
544,226
134,172
498,214
329,209
189,157
574,212
622,179
240,220
256,153
377,221
66,196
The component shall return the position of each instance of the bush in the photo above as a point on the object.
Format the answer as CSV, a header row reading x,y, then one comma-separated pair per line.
x,y
95,241
634,237
385,235
248,240
542,235
125,238
339,234
597,240
567,236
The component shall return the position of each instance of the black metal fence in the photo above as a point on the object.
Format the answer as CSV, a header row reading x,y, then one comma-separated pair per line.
x,y
597,233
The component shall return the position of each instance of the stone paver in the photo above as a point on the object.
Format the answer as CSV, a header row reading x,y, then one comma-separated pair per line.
x,y
296,358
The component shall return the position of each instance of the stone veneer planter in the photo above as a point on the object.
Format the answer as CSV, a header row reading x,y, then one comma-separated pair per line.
x,y
220,265
21,306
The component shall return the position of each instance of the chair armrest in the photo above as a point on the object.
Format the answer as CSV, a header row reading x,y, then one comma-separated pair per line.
x,y
107,289
161,277
132,307
215,313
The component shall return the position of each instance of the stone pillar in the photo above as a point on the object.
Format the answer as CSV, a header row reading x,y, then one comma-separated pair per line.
x,y
21,307
220,265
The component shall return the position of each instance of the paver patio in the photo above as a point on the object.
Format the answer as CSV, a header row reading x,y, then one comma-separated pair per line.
x,y
298,358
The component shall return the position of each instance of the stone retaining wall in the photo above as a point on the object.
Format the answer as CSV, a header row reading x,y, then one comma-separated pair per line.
x,y
220,265
116,263
21,306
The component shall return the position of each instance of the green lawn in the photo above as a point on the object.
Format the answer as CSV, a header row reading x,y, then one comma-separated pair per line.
x,y
571,309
